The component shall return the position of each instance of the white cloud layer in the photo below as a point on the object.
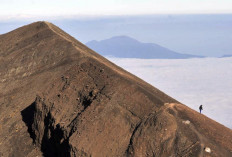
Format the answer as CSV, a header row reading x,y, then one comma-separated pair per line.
x,y
193,82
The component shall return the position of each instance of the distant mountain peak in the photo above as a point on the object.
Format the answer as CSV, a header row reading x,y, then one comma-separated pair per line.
x,y
122,37
128,47
121,40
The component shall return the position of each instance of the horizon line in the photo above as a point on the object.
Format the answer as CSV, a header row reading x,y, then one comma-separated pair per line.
x,y
89,16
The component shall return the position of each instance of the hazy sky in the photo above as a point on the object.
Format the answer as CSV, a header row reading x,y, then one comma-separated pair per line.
x,y
207,35
35,8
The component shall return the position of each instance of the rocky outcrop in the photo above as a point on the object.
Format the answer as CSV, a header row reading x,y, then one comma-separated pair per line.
x,y
86,111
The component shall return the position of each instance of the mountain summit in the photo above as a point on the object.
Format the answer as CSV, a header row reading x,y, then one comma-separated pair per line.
x,y
127,47
60,98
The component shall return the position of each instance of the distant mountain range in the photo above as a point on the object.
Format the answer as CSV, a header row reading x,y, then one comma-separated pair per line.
x,y
126,47
227,55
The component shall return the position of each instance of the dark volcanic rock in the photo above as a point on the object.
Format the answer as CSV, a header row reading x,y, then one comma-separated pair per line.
x,y
59,98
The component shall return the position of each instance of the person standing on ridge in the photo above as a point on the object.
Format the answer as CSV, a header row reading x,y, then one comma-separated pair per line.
x,y
200,108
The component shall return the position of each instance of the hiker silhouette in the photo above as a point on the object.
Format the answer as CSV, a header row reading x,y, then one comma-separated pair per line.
x,y
200,108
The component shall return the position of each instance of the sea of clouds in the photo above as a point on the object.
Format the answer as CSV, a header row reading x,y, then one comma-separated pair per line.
x,y
206,81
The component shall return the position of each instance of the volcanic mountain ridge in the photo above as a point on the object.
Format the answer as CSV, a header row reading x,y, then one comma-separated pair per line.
x,y
60,98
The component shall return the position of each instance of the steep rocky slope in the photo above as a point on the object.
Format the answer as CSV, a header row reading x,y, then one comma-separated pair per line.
x,y
59,98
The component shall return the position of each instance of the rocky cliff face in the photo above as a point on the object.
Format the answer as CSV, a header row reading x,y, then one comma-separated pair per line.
x,y
59,98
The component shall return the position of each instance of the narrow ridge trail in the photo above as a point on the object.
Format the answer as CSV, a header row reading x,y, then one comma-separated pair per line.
x,y
201,139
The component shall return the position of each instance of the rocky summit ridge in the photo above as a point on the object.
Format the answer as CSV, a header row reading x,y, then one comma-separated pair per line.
x,y
60,98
